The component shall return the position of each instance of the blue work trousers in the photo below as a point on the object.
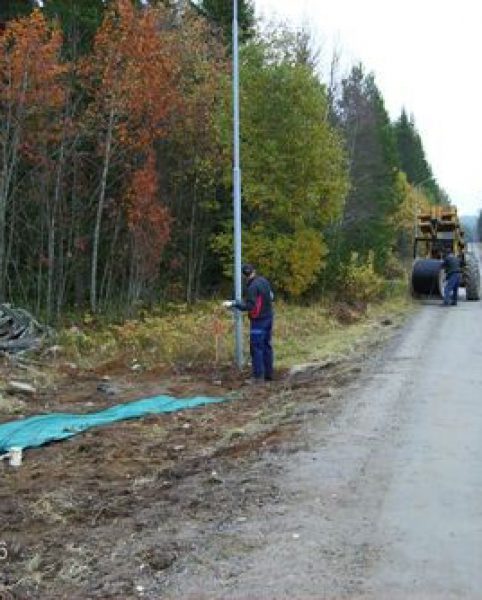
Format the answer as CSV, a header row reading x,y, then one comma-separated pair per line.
x,y
260,347
451,288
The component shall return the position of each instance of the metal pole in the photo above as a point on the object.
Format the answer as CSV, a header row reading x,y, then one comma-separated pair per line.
x,y
237,192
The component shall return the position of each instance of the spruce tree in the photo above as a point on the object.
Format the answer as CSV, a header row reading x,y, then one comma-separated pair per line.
x,y
373,160
413,160
11,9
79,21
478,228
220,13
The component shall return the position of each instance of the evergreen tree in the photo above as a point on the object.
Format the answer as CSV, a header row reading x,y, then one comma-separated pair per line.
x,y
79,21
413,160
294,168
373,159
478,228
410,150
11,9
220,12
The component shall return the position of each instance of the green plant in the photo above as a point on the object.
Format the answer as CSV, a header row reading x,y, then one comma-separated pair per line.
x,y
361,283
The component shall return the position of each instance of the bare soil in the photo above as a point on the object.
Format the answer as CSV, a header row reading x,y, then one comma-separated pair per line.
x,y
122,511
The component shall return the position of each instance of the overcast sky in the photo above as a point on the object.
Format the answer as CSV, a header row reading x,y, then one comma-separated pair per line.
x,y
426,56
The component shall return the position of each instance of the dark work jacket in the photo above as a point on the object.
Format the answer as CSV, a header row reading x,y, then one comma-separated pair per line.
x,y
259,299
451,264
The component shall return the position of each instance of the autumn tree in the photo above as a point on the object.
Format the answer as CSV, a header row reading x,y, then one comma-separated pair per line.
x,y
194,156
116,146
31,101
294,173
79,22
149,226
411,201
132,77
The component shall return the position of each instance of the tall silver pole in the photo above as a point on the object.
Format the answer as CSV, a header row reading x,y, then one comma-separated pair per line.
x,y
237,192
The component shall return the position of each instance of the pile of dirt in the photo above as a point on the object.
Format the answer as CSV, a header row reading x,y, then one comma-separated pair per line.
x,y
346,313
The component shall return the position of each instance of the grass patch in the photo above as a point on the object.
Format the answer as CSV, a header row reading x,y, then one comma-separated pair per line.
x,y
53,507
11,405
203,336
313,334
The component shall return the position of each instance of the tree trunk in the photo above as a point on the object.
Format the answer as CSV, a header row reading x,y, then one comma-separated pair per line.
x,y
200,264
39,272
106,284
52,208
100,208
8,167
134,287
191,260
11,141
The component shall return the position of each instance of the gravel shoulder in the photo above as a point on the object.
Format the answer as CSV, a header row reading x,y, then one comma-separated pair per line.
x,y
383,499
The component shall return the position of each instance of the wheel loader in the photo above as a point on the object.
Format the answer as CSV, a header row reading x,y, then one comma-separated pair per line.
x,y
439,230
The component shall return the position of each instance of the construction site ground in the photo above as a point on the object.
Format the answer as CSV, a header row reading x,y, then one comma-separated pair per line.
x,y
272,494
116,511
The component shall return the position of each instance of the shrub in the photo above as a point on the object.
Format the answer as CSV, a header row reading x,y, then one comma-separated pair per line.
x,y
360,282
394,268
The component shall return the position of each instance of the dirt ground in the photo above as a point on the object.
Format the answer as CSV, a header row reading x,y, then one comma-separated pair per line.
x,y
122,511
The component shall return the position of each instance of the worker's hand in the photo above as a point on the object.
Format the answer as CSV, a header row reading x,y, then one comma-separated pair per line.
x,y
228,303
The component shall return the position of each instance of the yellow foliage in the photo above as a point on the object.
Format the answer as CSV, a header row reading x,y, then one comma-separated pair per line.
x,y
412,201
360,281
292,261
393,268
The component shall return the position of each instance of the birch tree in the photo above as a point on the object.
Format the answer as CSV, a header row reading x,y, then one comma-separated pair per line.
x,y
132,76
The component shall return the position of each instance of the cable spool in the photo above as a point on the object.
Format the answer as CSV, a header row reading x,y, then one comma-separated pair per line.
x,y
427,277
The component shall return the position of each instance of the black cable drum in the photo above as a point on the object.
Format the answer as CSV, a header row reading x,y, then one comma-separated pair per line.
x,y
427,277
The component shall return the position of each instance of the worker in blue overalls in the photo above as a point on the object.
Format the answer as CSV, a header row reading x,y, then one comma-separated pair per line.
x,y
259,306
453,270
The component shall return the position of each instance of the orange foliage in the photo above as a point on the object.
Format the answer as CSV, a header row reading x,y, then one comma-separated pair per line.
x,y
203,67
148,221
32,88
132,73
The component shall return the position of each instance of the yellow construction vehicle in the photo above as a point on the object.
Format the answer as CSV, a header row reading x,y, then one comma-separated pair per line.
x,y
438,230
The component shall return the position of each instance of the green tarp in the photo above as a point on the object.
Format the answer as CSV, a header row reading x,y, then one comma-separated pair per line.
x,y
36,431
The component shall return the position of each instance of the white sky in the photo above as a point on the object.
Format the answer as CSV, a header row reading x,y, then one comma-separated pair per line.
x,y
426,56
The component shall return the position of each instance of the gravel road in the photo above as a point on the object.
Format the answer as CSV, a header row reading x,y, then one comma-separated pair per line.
x,y
384,501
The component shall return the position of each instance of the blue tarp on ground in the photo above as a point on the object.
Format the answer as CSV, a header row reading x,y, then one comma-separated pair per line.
x,y
36,431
